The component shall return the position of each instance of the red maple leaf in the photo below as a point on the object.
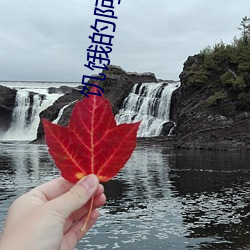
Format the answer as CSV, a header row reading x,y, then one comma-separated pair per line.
x,y
92,143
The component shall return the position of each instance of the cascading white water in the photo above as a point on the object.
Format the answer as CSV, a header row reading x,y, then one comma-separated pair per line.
x,y
25,117
149,103
20,112
61,112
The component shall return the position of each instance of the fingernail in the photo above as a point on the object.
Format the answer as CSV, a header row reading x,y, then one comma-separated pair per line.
x,y
89,182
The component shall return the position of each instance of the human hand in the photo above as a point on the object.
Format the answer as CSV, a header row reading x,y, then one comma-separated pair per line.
x,y
50,216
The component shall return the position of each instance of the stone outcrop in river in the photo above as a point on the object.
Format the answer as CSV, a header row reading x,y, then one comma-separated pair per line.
x,y
7,105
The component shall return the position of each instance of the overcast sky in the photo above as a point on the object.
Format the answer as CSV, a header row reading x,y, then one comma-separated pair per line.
x,y
48,39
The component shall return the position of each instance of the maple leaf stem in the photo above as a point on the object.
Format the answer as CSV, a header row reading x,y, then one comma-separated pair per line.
x,y
84,228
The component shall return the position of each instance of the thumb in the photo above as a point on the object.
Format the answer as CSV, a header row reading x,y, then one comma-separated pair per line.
x,y
76,197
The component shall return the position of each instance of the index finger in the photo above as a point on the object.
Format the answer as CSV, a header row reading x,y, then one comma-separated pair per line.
x,y
54,188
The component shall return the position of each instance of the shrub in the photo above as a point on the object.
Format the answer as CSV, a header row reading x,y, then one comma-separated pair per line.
x,y
206,51
216,98
227,78
234,81
239,84
197,75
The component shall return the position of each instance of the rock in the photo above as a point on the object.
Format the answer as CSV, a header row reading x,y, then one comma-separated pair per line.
x,y
60,90
166,142
52,112
31,101
224,126
176,96
166,128
7,105
242,116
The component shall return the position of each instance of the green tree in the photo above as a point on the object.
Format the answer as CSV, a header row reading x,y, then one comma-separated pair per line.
x,y
216,98
245,28
225,69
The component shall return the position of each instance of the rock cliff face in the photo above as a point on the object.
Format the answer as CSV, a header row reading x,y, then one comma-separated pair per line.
x,y
202,124
7,104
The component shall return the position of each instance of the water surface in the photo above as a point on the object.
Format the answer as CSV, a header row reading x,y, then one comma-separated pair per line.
x,y
161,200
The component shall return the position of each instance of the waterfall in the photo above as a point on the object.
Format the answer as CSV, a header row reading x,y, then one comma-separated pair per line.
x,y
25,117
20,112
149,103
61,112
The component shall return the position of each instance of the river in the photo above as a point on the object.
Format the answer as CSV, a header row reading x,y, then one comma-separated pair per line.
x,y
162,199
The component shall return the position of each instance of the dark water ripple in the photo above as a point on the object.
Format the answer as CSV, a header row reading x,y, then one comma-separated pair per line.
x,y
160,200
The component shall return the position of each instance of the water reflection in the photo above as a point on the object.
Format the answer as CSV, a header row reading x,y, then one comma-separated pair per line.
x,y
142,209
22,167
26,164
160,200
214,187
